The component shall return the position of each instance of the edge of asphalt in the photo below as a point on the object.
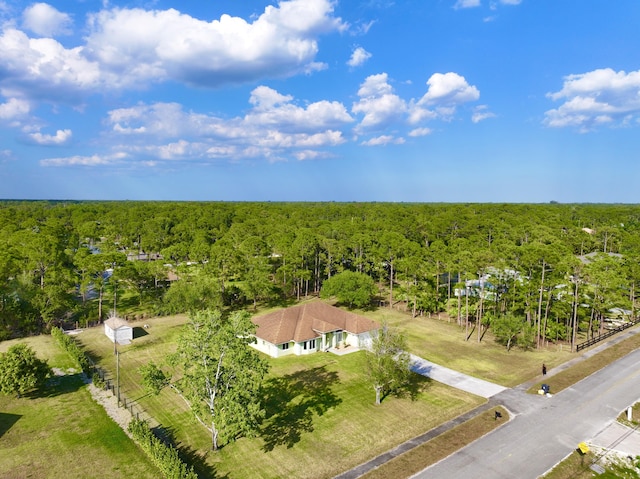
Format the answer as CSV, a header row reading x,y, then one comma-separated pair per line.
x,y
465,382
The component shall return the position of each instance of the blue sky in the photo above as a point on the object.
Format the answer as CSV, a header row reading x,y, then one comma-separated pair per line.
x,y
319,100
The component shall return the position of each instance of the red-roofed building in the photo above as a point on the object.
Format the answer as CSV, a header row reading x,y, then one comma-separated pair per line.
x,y
311,327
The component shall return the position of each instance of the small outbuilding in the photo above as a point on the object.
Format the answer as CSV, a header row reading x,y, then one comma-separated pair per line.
x,y
118,330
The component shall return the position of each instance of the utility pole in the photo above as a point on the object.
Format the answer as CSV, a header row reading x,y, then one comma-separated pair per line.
x,y
117,353
118,376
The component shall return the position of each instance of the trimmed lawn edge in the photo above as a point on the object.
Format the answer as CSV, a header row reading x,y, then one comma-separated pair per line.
x,y
440,447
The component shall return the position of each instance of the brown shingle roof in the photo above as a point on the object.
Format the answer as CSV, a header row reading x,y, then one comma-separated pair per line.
x,y
309,321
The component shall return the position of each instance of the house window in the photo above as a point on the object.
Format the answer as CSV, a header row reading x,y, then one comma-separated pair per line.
x,y
285,346
311,344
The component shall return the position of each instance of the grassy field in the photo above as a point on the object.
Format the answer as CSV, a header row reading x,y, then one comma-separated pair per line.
x,y
321,414
443,342
61,432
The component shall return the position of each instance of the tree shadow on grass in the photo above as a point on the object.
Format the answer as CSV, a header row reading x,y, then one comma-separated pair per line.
x,y
57,385
292,401
7,421
415,385
190,456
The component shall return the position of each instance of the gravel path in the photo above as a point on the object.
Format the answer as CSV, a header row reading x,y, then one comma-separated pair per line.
x,y
109,402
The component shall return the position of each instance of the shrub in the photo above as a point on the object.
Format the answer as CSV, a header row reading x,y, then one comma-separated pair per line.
x,y
165,457
70,346
98,381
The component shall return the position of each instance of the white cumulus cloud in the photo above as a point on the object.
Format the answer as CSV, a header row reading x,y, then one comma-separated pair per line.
x,y
274,128
466,4
42,68
599,97
480,113
378,103
358,57
132,48
383,140
94,160
381,106
166,44
420,132
46,21
14,108
449,88
60,138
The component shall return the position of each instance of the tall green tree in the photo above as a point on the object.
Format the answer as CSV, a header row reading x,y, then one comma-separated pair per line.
x,y
200,291
257,283
154,379
506,328
21,370
222,373
350,287
388,361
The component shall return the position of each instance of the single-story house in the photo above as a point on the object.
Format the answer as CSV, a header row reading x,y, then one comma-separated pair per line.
x,y
117,329
311,327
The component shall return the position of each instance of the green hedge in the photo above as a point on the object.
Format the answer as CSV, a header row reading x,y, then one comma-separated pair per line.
x,y
71,346
165,457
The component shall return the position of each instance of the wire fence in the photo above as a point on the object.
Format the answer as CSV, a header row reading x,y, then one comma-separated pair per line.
x,y
109,383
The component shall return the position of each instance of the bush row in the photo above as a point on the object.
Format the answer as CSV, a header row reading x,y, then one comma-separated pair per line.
x,y
165,457
71,346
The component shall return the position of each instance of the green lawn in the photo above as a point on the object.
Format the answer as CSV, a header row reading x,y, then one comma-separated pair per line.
x,y
443,342
61,432
321,414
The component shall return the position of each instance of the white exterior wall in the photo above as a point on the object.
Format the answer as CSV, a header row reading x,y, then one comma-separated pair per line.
x,y
272,349
263,346
299,347
362,340
123,333
109,332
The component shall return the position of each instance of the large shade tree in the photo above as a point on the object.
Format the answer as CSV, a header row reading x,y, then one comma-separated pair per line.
x,y
350,287
222,373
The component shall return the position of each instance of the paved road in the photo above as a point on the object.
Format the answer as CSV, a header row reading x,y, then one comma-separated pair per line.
x,y
545,430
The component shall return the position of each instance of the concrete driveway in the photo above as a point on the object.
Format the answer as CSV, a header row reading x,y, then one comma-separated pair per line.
x,y
455,379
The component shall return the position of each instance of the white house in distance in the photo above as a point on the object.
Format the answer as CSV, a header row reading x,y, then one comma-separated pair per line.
x,y
311,327
118,329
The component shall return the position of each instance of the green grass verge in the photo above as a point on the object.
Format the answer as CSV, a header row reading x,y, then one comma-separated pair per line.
x,y
424,455
588,366
575,466
61,432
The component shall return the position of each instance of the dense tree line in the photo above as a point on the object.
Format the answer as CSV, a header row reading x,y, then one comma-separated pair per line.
x,y
545,271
